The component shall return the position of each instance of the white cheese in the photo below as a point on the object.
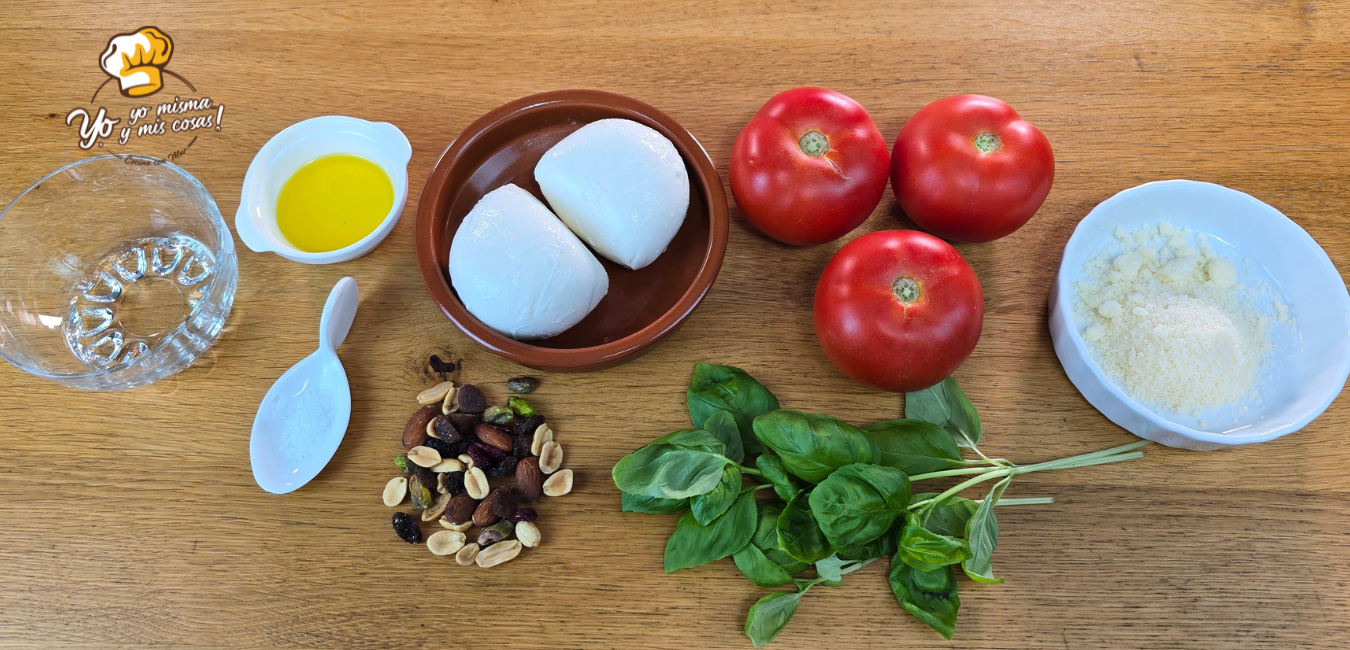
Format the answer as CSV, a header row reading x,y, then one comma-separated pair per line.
x,y
620,186
518,269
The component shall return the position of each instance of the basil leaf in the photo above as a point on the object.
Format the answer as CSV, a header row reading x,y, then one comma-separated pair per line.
x,y
811,445
766,539
722,425
771,469
798,533
692,438
926,550
879,547
950,517
982,535
769,616
694,544
652,505
829,567
669,471
707,507
913,446
727,388
931,596
947,406
859,503
760,569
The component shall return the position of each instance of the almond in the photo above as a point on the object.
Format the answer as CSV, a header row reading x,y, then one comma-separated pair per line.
x,y
460,510
495,437
559,484
415,433
529,480
484,515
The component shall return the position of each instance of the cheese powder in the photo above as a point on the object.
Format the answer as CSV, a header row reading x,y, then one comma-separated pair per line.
x,y
1166,319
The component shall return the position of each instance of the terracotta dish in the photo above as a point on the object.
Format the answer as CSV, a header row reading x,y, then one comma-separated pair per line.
x,y
642,307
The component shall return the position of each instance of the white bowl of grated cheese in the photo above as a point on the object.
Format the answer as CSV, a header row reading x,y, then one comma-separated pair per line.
x,y
1198,317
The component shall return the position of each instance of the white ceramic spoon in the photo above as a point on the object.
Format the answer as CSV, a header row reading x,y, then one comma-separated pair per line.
x,y
304,415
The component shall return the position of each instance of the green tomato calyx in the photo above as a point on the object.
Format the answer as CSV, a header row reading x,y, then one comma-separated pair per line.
x,y
814,144
906,290
987,142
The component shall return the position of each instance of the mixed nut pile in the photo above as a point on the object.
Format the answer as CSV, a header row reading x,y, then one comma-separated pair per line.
x,y
454,444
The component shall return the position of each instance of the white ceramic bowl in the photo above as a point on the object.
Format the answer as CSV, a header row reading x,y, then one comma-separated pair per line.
x,y
379,142
1311,360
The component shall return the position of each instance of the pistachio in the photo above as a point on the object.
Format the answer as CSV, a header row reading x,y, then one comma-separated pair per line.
x,y
495,533
497,415
437,508
550,457
445,542
446,523
420,492
466,555
526,532
522,384
424,456
435,394
520,406
403,464
470,399
449,401
395,491
541,435
529,480
494,437
498,553
461,509
476,483
448,465
467,460
415,432
559,484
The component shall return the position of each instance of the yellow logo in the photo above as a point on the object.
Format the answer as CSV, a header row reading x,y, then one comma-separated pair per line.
x,y
136,61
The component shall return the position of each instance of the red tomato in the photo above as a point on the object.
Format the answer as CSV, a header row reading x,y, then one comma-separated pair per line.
x,y
967,168
809,167
898,310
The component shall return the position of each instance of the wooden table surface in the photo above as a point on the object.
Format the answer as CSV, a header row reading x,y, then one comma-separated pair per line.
x,y
132,519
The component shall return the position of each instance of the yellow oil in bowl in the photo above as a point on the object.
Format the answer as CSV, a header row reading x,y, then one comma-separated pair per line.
x,y
333,202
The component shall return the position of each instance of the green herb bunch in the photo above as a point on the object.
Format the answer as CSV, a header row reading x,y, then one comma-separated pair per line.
x,y
847,495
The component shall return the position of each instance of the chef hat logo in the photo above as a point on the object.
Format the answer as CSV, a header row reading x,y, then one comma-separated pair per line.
x,y
136,60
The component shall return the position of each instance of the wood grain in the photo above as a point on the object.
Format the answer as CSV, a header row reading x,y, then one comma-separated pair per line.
x,y
131,519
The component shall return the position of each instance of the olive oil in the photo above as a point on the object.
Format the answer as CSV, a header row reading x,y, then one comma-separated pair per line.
x,y
333,202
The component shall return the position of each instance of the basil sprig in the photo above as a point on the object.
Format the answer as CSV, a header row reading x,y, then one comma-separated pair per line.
x,y
846,493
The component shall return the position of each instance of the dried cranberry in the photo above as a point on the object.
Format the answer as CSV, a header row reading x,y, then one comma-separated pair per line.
x,y
454,483
526,426
523,514
506,467
485,456
407,529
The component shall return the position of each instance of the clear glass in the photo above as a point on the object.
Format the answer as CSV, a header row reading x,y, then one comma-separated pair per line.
x,y
115,271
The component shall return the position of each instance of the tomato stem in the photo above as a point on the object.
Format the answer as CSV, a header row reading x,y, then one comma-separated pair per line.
x,y
814,144
987,142
906,290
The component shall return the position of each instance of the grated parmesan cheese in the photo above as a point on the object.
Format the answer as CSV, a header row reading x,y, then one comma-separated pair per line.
x,y
1166,319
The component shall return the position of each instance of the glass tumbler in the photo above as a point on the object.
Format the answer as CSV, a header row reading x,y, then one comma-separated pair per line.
x,y
115,271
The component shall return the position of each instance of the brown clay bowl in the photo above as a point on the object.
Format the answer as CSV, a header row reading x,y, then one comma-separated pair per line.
x,y
642,307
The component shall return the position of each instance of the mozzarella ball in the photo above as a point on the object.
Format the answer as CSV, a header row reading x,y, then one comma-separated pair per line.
x,y
518,269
